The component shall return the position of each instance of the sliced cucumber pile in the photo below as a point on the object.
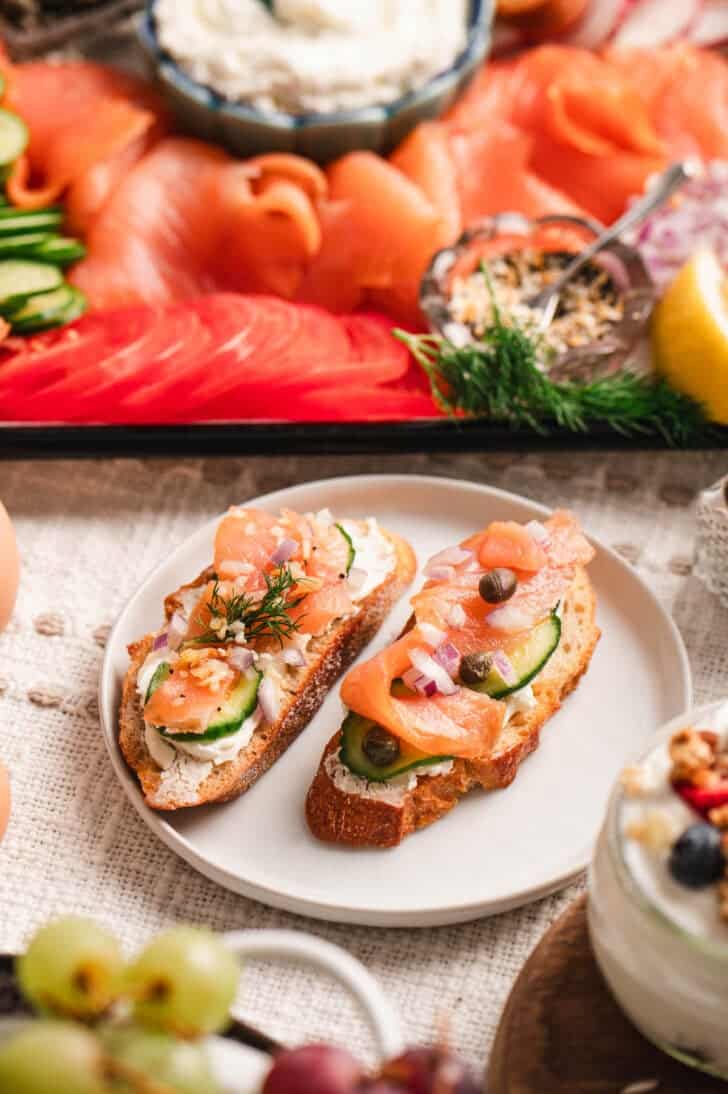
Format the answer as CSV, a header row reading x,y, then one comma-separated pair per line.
x,y
34,295
376,755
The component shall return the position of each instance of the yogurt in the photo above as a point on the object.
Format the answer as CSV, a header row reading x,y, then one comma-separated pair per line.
x,y
312,56
662,945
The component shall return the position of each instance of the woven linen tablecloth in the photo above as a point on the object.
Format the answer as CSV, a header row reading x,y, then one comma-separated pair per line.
x,y
89,532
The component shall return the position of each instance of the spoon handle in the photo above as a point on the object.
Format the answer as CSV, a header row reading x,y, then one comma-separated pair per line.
x,y
669,181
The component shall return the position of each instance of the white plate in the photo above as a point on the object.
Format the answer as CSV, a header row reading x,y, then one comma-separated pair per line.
x,y
495,851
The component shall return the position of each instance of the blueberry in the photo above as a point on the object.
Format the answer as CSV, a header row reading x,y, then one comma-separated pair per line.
x,y
697,859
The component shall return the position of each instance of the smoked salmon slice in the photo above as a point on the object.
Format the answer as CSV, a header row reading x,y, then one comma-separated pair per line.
x,y
82,118
465,724
188,219
537,594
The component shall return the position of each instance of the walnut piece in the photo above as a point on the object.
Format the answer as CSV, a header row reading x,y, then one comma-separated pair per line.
x,y
691,755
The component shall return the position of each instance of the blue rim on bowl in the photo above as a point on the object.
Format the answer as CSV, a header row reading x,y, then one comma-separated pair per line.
x,y
322,137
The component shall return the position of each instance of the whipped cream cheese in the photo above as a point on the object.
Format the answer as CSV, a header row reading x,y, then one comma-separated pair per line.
x,y
662,946
393,791
374,554
312,56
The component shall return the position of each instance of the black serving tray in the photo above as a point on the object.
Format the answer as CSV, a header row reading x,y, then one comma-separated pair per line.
x,y
320,438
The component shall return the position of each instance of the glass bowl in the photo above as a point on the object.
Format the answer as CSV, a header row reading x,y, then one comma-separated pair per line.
x,y
246,131
623,263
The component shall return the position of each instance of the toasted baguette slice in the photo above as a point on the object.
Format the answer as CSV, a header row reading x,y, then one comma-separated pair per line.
x,y
339,817
329,655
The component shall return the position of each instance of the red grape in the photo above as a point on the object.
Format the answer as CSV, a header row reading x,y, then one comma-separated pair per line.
x,y
429,1071
314,1069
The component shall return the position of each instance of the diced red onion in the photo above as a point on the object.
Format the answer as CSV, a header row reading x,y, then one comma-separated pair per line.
x,y
503,664
417,681
510,618
294,658
697,217
448,656
451,556
357,578
285,550
429,667
160,641
177,630
268,700
240,658
456,617
538,532
441,573
432,635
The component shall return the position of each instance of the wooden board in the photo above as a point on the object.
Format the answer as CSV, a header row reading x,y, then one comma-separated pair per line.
x,y
562,1032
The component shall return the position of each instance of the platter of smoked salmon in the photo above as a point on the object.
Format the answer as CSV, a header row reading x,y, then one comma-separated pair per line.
x,y
153,283
534,655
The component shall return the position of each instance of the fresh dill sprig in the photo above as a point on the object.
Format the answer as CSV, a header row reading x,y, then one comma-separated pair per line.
x,y
498,378
267,617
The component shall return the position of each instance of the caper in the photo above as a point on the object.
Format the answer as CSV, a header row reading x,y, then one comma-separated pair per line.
x,y
475,667
380,747
498,585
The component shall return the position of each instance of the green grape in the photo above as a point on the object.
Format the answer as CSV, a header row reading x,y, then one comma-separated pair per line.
x,y
184,982
178,1066
72,967
52,1056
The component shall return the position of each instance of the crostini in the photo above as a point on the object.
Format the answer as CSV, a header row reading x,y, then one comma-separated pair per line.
x,y
501,632
250,648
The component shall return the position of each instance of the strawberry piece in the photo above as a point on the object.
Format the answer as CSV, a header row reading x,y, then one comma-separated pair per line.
x,y
703,798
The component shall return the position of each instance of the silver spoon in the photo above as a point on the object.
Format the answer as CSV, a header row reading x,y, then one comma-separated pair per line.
x,y
670,180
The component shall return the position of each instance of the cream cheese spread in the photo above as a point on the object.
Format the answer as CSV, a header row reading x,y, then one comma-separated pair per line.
x,y
374,555
312,56
393,791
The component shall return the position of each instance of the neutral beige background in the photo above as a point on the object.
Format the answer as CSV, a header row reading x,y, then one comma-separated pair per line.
x,y
89,532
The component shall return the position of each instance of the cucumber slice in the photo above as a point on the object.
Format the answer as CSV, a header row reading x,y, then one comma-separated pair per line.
x,y
20,280
238,706
528,659
13,137
45,310
352,552
353,755
56,249
160,674
24,245
13,222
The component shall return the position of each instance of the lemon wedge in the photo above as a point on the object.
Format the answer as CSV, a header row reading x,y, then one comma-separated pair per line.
x,y
690,334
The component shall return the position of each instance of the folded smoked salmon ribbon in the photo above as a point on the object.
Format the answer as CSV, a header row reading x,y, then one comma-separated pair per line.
x,y
452,620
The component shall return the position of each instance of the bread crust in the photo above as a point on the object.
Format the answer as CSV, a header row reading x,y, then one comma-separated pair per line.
x,y
332,653
335,816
